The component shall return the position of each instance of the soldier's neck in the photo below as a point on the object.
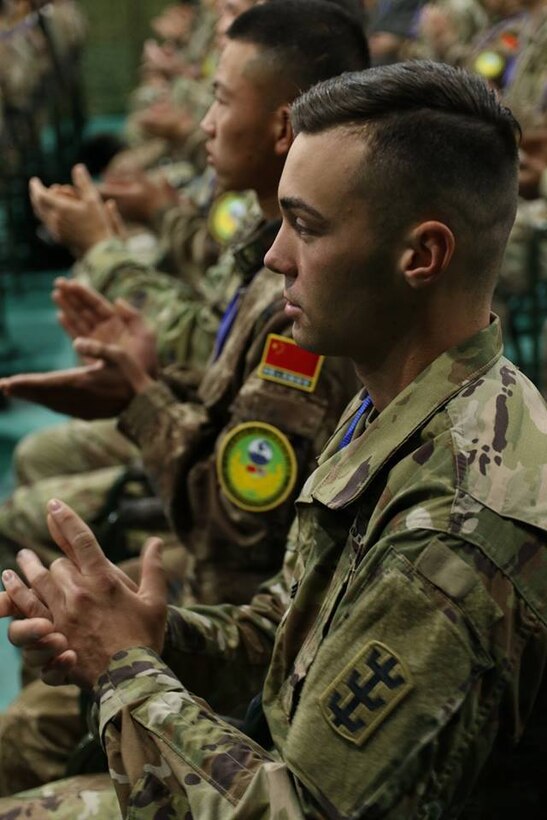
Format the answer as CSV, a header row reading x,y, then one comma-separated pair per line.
x,y
269,206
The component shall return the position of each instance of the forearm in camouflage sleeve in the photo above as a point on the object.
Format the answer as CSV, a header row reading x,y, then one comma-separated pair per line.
x,y
222,652
168,432
161,743
186,245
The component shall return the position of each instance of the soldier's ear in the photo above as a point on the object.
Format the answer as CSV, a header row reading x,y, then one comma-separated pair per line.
x,y
429,248
282,130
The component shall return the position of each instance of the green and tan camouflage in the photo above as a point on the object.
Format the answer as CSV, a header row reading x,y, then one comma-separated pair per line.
x,y
415,639
180,429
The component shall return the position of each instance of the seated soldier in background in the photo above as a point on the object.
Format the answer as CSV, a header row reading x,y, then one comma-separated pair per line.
x,y
413,637
185,315
227,459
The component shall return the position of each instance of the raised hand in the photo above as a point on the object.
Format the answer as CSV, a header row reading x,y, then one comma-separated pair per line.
x,y
85,313
139,195
77,218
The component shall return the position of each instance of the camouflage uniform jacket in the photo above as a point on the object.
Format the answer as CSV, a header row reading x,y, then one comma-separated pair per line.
x,y
416,636
180,432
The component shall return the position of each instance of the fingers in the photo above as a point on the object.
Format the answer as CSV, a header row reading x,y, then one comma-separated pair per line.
x,y
84,184
59,538
153,584
36,189
26,633
128,366
57,671
7,607
45,650
81,303
24,599
38,577
84,549
36,386
99,350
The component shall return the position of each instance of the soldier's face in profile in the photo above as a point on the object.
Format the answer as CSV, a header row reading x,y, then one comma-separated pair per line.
x,y
342,285
240,125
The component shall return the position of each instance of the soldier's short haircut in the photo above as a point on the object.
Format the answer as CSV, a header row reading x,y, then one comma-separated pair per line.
x,y
437,143
303,41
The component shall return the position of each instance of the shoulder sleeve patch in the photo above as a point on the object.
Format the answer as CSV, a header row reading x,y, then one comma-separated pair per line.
x,y
367,690
256,466
286,363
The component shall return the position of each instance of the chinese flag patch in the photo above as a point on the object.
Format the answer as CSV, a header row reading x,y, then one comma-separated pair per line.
x,y
286,363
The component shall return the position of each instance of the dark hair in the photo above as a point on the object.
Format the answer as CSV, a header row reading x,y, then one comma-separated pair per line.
x,y
437,142
305,41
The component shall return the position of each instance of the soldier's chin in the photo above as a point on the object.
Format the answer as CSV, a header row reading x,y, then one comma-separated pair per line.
x,y
304,338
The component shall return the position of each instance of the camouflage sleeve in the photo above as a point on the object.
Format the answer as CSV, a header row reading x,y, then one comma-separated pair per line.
x,y
186,244
392,705
139,687
98,267
168,753
397,697
222,652
169,433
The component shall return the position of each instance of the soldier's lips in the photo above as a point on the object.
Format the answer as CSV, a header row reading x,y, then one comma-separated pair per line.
x,y
291,310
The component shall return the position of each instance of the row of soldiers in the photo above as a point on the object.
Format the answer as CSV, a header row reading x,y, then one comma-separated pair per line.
x,y
186,343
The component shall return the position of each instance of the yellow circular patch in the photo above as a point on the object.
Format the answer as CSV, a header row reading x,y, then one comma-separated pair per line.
x,y
225,216
489,64
256,466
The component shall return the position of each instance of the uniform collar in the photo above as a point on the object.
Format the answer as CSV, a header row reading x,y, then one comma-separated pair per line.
x,y
249,254
342,476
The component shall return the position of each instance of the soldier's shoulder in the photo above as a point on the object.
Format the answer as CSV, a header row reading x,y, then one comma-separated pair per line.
x,y
498,426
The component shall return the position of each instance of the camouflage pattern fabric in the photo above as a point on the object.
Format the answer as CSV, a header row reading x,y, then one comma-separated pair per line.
x,y
418,590
40,710
79,460
234,549
184,307
526,92
86,797
415,639
180,432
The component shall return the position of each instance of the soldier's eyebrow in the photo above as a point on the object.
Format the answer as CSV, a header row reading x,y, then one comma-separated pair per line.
x,y
218,85
294,203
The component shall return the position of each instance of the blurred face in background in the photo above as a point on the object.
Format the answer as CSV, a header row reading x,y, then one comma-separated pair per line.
x,y
227,11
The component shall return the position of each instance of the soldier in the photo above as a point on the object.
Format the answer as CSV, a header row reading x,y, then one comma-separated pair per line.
x,y
227,458
415,640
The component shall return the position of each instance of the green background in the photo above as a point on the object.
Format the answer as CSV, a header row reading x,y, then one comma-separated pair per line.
x,y
117,30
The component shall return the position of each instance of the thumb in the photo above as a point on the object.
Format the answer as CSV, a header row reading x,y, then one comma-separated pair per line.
x,y
153,584
83,182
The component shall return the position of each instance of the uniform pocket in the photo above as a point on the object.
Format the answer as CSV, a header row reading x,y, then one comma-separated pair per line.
x,y
380,713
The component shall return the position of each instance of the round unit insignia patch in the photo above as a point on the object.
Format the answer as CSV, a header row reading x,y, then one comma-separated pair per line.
x,y
225,216
489,64
256,466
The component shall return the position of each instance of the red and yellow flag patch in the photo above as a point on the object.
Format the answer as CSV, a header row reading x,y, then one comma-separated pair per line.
x,y
286,363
